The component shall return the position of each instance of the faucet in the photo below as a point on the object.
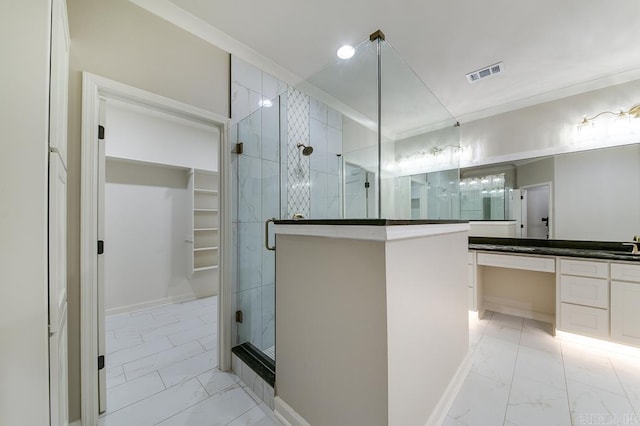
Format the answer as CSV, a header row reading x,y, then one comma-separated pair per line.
x,y
636,241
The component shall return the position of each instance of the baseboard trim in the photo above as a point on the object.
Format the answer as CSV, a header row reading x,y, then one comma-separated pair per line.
x,y
443,406
151,304
287,415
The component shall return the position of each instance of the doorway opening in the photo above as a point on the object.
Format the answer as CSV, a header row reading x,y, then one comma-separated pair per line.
x,y
144,197
536,221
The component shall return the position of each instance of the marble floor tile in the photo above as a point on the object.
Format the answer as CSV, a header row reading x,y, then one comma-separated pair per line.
x,y
481,401
159,407
495,358
191,334
137,352
209,342
171,329
188,368
133,391
591,405
260,415
594,371
540,367
215,381
115,376
219,409
534,403
144,366
538,335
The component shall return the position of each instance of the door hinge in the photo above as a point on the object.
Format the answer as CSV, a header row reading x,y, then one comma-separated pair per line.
x,y
239,317
100,247
522,197
239,148
100,132
366,184
521,226
100,362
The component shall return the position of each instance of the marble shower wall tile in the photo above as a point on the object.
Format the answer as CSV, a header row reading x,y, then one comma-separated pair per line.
x,y
268,316
334,201
318,110
318,139
249,238
318,207
272,87
250,134
246,74
270,190
250,185
270,149
334,119
243,102
250,303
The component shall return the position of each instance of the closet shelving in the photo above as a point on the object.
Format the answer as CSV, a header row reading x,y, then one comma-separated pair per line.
x,y
206,234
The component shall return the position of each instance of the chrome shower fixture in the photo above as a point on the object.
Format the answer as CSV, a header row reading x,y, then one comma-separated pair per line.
x,y
306,150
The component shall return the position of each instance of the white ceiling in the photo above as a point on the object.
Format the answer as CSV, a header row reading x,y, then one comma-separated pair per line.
x,y
547,46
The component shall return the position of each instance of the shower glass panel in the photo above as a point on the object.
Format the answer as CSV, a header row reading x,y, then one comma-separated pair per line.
x,y
259,172
393,127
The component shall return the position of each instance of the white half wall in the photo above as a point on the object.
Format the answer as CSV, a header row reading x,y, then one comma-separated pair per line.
x,y
147,210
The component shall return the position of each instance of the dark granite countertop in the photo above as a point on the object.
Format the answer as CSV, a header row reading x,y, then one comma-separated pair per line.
x,y
365,222
570,248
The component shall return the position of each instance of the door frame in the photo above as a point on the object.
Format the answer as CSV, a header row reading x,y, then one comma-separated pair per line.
x,y
94,88
523,202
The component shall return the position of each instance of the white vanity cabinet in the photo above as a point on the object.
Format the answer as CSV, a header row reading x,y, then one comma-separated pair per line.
x,y
625,303
584,297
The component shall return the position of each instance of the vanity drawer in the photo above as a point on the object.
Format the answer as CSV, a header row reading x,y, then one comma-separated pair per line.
x,y
584,320
529,263
585,291
584,268
625,272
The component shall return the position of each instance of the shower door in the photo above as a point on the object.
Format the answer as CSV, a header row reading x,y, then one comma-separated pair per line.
x,y
258,198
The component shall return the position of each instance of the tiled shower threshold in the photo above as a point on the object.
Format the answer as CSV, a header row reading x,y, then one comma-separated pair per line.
x,y
264,366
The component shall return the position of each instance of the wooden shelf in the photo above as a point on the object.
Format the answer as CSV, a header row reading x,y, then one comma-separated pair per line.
x,y
203,253
205,268
205,249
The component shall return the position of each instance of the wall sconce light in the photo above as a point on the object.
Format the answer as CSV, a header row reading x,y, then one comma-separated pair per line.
x,y
633,112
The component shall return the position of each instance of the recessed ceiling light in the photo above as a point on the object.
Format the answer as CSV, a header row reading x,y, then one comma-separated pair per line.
x,y
265,103
346,51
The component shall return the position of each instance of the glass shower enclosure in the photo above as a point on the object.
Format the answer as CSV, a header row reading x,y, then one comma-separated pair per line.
x,y
361,138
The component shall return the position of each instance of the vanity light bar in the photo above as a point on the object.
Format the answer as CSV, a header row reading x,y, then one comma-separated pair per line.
x,y
485,72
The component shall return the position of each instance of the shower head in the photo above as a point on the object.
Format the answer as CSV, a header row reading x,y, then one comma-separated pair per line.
x,y
306,150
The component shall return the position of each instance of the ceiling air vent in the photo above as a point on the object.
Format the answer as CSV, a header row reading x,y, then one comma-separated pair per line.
x,y
472,77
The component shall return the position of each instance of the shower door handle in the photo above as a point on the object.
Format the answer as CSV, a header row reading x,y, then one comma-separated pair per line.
x,y
266,235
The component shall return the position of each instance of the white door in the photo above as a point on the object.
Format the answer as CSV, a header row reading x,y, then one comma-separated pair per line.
x,y
536,212
58,360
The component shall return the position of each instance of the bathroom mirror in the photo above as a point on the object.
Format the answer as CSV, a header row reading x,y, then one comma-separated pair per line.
x,y
594,195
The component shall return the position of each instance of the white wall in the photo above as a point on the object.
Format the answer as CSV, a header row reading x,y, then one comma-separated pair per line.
x,y
141,134
544,129
592,203
147,212
24,373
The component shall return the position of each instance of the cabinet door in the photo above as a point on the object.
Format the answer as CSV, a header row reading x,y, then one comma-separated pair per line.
x,y
625,312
